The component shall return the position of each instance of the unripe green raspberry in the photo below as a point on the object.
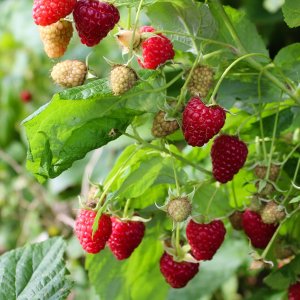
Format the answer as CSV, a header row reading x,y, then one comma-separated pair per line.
x,y
162,127
236,220
179,209
266,191
122,79
201,81
69,73
272,213
261,172
255,204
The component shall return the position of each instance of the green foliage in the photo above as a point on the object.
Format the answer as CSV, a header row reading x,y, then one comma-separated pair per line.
x,y
291,11
35,272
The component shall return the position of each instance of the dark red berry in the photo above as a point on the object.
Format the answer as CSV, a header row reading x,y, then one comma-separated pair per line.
x,y
294,291
94,20
125,237
47,12
228,155
26,96
177,274
258,232
205,239
84,231
156,50
200,122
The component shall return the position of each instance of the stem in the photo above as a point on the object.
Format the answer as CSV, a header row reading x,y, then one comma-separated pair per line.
x,y
273,140
129,19
234,195
126,208
216,4
177,239
175,174
290,154
228,69
210,202
161,149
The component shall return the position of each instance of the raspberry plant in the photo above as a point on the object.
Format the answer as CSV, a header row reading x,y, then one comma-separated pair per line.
x,y
206,115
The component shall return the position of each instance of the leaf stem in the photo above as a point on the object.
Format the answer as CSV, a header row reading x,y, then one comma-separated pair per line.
x,y
126,208
210,202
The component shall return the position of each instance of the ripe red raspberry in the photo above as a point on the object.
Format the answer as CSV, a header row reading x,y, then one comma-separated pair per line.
x,y
94,20
84,231
258,232
200,122
125,237
46,12
177,274
228,155
156,50
205,239
26,96
294,291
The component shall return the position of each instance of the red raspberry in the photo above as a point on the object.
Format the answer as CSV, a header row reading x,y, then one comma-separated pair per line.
x,y
177,274
205,239
200,122
228,156
84,231
156,50
94,20
294,291
258,232
25,96
125,237
46,12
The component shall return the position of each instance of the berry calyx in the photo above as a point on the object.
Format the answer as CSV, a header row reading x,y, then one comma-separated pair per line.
x,y
272,213
228,155
92,243
56,38
200,122
205,239
156,50
69,73
126,237
179,209
294,291
258,232
125,38
47,12
177,274
201,81
122,79
94,20
162,127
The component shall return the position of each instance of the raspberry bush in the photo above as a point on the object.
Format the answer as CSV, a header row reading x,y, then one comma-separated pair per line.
x,y
203,196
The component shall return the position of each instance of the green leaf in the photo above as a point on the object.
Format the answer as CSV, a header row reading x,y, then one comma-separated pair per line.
x,y
35,272
185,17
133,3
136,278
295,200
288,60
291,12
81,119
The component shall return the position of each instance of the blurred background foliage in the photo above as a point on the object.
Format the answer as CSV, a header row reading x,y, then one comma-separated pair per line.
x,y
30,212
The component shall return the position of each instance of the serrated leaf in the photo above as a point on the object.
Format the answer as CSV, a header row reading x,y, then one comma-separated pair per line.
x,y
35,272
131,278
185,17
295,200
291,12
81,119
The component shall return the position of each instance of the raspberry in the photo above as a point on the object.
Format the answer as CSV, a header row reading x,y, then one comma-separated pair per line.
x,y
156,50
272,213
200,122
228,155
94,20
69,73
258,232
84,231
122,79
56,38
47,12
294,291
179,209
26,96
236,220
205,239
162,127
201,81
125,237
177,274
260,172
